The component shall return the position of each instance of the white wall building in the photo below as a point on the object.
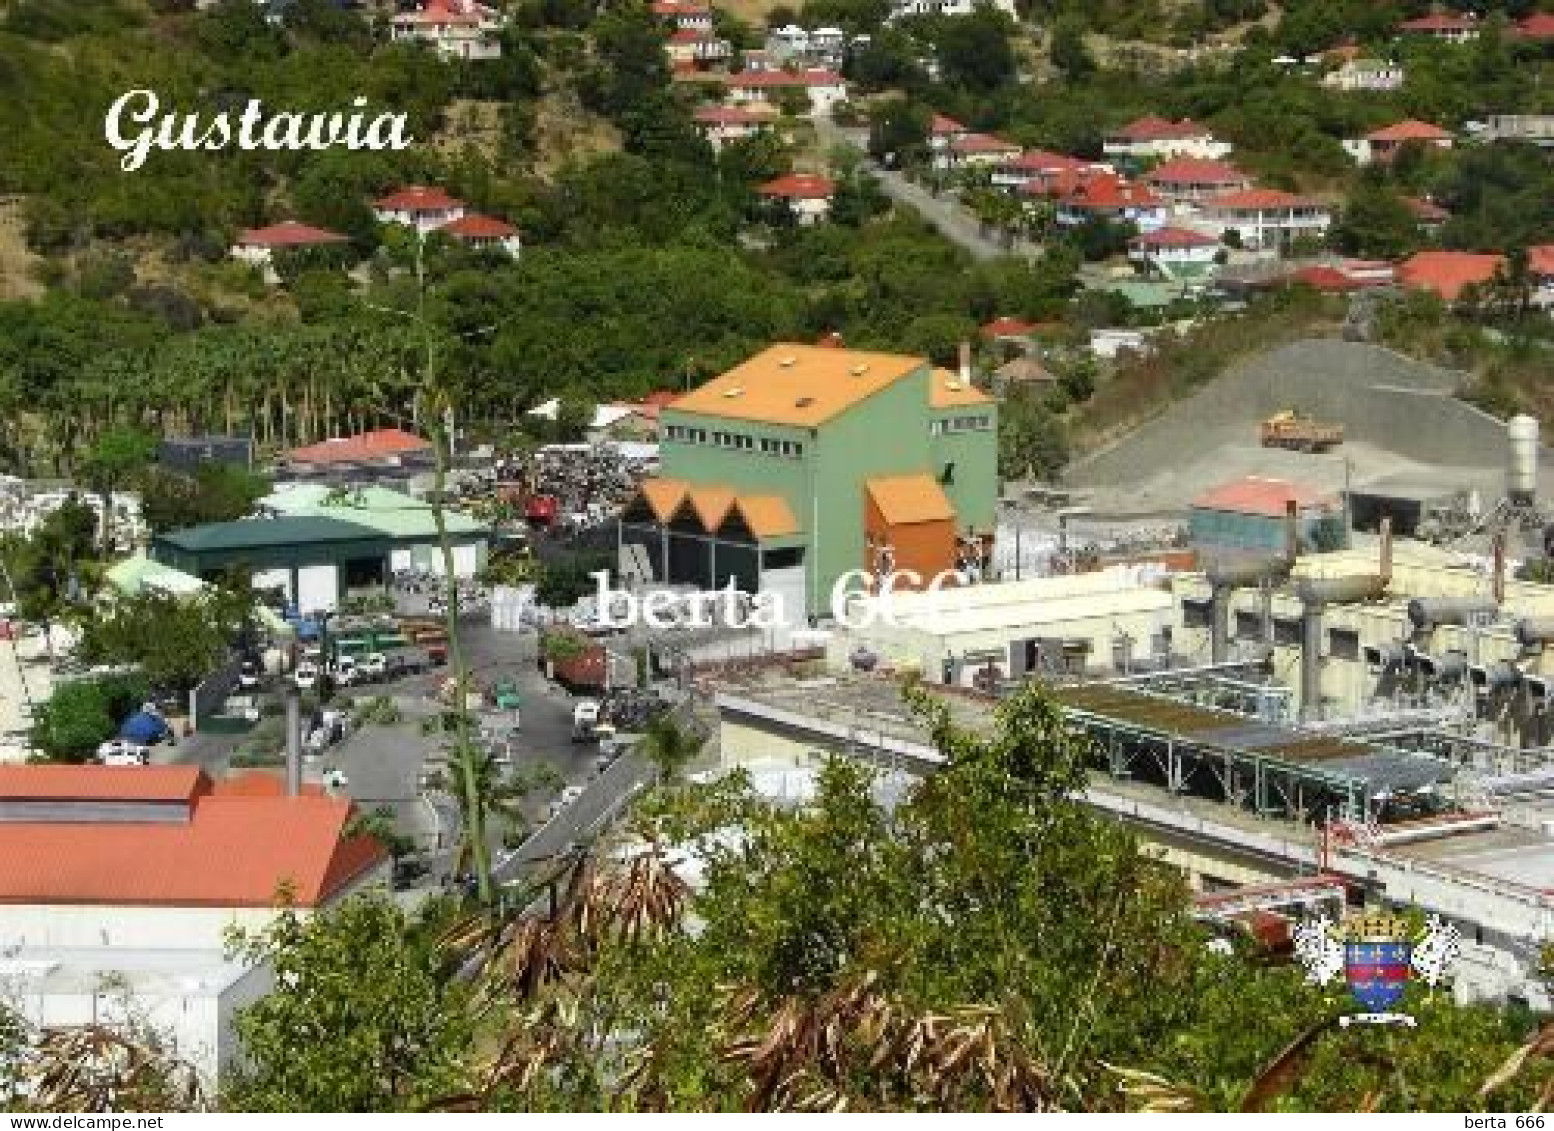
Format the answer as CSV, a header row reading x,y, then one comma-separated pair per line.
x,y
1156,139
1365,74
824,88
1265,218
456,29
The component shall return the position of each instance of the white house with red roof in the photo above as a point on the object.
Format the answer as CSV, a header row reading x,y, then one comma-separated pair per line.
x,y
691,49
1265,219
484,232
906,9
118,886
825,88
1156,139
1381,146
1039,167
1441,26
1177,253
971,150
257,246
418,206
1112,198
1361,74
723,124
684,14
807,195
456,29
943,130
1188,180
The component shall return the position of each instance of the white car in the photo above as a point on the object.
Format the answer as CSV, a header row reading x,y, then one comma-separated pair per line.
x,y
123,752
375,666
306,676
248,675
568,795
346,672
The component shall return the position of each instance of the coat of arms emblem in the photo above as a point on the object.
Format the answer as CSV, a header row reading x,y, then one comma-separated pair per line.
x,y
1376,955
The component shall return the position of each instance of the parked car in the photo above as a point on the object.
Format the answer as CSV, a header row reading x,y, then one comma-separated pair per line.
x,y
568,795
123,752
375,666
306,676
585,720
346,673
248,675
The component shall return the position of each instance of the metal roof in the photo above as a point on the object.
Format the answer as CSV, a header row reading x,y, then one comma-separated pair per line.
x,y
262,533
390,513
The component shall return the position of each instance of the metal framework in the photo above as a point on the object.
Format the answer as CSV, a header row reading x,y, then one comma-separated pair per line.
x,y
1476,753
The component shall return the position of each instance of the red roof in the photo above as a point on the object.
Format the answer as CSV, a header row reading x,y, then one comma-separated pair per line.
x,y
1409,129
446,12
288,233
1041,161
473,226
1426,211
1259,199
759,80
941,125
1447,273
1007,328
1539,25
1255,495
1110,192
1175,237
1197,171
800,186
228,848
692,35
1325,278
1160,129
1437,22
680,8
1540,260
418,198
379,444
982,143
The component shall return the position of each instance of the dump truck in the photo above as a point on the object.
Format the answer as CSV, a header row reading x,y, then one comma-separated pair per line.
x,y
1289,429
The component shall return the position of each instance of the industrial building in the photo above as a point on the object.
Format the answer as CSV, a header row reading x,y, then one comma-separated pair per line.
x,y
1250,515
406,522
806,462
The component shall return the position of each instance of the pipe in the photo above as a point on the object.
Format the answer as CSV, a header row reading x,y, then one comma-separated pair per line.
x,y
1498,676
965,362
1219,624
1499,575
1291,531
1534,632
293,743
1385,565
1393,655
1311,661
1428,612
1244,573
1446,667
1341,590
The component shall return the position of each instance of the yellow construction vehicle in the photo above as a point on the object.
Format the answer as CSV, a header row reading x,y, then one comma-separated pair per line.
x,y
1288,429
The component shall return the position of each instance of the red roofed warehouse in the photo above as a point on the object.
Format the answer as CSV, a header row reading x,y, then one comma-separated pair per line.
x,y
1249,515
807,195
1383,145
1447,273
135,874
381,445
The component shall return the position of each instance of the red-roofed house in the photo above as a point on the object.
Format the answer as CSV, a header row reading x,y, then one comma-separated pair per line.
x,y
807,195
1155,139
1446,28
1539,25
1383,145
943,130
484,232
1186,180
684,14
1447,273
456,29
972,149
1175,252
1112,198
418,206
697,49
131,876
1540,264
259,245
1429,214
723,124
384,445
1265,218
824,88
1038,167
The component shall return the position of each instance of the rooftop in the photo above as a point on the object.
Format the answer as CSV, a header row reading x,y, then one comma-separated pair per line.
x,y
1175,237
256,533
905,500
288,233
982,143
1197,171
418,198
947,390
1256,495
1261,199
1447,273
387,512
800,186
780,78
1410,129
382,443
1160,129
798,385
473,226
765,516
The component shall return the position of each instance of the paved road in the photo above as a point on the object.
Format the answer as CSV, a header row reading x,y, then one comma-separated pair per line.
x,y
952,221
580,821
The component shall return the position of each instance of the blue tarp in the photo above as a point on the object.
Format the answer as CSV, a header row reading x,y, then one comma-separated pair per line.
x,y
143,726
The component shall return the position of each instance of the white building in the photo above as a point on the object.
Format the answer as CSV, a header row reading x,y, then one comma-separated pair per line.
x,y
807,195
1156,139
1265,218
118,885
974,149
904,9
1112,198
1365,74
824,88
418,206
1175,252
723,124
257,246
477,231
457,29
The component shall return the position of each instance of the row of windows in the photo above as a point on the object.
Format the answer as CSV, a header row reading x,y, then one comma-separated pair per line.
x,y
960,424
735,440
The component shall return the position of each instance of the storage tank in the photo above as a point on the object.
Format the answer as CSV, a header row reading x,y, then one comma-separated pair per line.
x,y
1521,482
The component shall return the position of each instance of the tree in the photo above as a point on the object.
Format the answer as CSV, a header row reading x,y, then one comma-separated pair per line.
x,y
216,492
114,459
975,51
669,746
1377,224
176,641
1068,51
83,714
328,1038
898,131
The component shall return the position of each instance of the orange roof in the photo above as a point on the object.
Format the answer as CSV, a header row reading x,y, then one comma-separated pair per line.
x,y
1160,129
1426,211
711,505
1197,171
800,186
767,516
947,390
1410,129
1540,260
1256,495
378,444
237,848
1260,199
760,80
418,198
663,496
1437,22
1324,278
1007,328
1110,192
473,226
907,499
101,783
1539,25
1447,273
983,143
797,385
1174,237
941,125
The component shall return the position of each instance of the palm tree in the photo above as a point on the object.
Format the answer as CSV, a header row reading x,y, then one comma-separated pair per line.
x,y
670,746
